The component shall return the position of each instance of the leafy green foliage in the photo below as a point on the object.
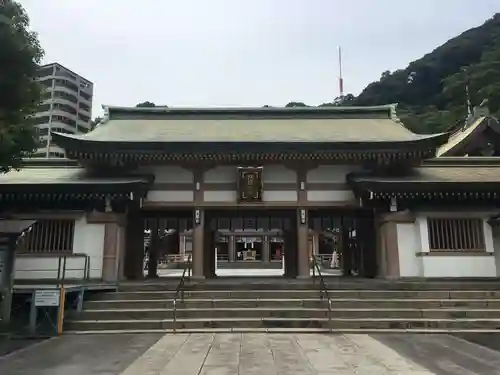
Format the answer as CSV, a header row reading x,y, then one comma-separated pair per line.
x,y
146,105
95,122
431,91
295,105
20,94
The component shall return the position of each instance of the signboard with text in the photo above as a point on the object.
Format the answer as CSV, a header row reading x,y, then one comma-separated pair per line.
x,y
47,298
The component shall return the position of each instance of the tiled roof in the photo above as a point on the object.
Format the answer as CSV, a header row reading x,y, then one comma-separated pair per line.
x,y
450,170
460,136
340,124
59,175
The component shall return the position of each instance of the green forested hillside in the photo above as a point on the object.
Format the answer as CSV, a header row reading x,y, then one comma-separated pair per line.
x,y
431,90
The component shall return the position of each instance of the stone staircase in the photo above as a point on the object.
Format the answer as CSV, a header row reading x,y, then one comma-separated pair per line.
x,y
280,305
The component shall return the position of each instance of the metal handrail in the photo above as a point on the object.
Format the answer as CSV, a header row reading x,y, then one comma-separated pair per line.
x,y
179,291
61,267
323,289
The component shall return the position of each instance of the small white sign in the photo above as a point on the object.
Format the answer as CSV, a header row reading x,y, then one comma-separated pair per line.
x,y
44,298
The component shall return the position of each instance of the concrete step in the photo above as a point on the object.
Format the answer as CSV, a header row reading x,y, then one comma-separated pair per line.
x,y
295,323
286,303
291,313
284,330
334,283
301,294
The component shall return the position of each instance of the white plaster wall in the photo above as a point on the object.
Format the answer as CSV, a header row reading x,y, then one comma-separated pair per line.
x,y
460,266
330,173
329,195
230,196
454,266
278,174
220,196
45,267
223,174
169,174
88,239
172,174
409,244
170,196
279,195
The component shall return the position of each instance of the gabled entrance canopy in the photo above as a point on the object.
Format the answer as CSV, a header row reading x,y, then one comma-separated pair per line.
x,y
233,135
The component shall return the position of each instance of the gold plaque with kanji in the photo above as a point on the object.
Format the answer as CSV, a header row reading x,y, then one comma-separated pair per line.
x,y
250,184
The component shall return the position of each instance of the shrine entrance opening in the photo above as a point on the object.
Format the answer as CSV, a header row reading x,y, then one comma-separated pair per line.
x,y
250,243
344,241
168,242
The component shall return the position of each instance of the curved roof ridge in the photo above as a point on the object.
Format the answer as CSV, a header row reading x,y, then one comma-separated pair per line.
x,y
396,119
459,136
388,108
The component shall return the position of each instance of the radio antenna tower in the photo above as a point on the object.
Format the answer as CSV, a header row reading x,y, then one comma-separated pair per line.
x,y
341,80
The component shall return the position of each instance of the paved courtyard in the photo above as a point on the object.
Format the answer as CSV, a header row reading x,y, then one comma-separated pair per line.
x,y
253,353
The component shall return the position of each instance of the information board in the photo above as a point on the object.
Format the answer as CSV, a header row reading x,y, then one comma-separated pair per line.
x,y
47,297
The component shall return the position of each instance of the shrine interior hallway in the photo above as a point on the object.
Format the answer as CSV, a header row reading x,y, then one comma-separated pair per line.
x,y
254,353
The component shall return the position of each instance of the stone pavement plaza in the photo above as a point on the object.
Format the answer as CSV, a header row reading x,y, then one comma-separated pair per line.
x,y
253,353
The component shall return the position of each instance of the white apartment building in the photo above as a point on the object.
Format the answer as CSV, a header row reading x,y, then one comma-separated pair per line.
x,y
67,109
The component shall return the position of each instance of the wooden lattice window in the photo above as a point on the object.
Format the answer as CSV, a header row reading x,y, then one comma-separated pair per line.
x,y
49,237
452,234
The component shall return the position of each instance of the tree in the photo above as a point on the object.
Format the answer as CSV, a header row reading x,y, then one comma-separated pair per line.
x,y
295,105
385,75
95,122
340,101
20,93
146,105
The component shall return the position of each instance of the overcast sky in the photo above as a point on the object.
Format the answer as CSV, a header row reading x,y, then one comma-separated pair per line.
x,y
241,53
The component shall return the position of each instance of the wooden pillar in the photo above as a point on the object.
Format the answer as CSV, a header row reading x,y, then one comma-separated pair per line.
x,y
388,247
198,225
154,249
114,246
134,253
303,245
198,244
7,252
302,225
315,240
182,246
265,249
231,248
